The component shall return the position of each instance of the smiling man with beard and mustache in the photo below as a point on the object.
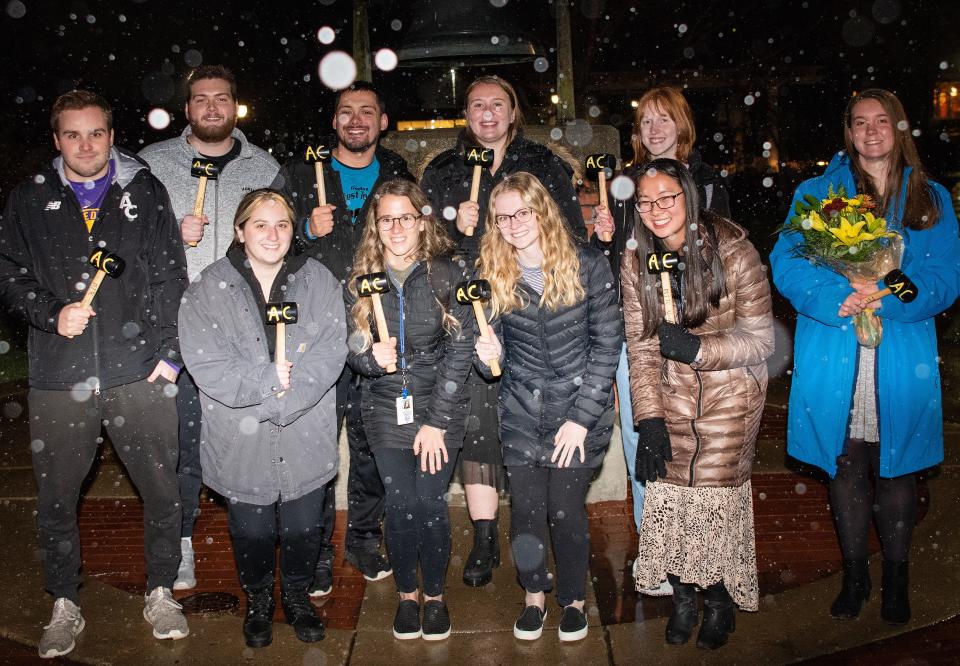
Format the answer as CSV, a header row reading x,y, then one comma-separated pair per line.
x,y
332,234
211,109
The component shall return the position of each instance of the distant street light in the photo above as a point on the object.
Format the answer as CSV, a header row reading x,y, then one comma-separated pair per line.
x,y
242,111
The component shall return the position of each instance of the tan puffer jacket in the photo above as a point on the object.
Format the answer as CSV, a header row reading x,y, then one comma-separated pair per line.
x,y
713,407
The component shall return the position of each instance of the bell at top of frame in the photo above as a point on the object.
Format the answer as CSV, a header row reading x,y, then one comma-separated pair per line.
x,y
471,32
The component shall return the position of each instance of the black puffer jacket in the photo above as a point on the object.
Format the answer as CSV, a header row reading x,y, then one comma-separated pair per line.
x,y
560,366
711,187
447,180
44,251
298,181
437,362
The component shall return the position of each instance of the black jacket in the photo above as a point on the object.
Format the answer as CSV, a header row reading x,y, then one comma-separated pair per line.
x,y
711,187
298,181
560,366
44,252
447,180
437,362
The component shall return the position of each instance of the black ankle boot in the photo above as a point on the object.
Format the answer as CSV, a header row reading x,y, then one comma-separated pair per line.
x,y
685,614
301,615
485,556
894,596
258,622
719,618
855,590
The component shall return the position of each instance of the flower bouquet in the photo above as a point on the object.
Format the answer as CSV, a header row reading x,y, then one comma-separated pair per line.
x,y
843,234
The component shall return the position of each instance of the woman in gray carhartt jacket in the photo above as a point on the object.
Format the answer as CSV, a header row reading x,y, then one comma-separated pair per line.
x,y
269,440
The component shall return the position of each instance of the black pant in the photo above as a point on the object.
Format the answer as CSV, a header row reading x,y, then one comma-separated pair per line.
x,y
189,473
857,493
65,431
364,487
254,529
417,520
542,497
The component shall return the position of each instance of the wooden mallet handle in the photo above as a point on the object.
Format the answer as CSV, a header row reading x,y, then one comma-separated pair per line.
x,y
382,331
482,322
602,183
93,288
478,157
662,263
898,284
204,171
598,164
281,351
321,188
668,312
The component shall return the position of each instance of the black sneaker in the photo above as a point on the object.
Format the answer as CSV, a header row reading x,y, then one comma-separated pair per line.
x,y
406,623
370,563
573,624
529,626
322,583
436,621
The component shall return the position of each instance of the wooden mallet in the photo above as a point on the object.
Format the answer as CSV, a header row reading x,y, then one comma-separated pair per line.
x,y
204,170
106,263
476,291
372,285
663,263
898,284
281,314
318,155
479,158
600,164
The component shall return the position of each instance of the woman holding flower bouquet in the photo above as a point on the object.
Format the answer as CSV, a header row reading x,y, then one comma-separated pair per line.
x,y
697,382
866,407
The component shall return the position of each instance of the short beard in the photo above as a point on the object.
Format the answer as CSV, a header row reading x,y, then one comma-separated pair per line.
x,y
357,147
213,134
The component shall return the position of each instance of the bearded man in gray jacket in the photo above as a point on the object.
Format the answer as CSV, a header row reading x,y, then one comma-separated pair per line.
x,y
212,136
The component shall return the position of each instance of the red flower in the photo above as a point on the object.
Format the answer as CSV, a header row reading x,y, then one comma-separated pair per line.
x,y
835,206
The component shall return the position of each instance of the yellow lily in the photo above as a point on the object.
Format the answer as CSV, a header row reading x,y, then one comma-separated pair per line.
x,y
846,233
816,222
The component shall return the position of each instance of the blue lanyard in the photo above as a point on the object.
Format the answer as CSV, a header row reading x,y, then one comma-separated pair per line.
x,y
403,345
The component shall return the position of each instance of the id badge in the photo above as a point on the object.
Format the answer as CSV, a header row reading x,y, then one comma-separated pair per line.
x,y
405,410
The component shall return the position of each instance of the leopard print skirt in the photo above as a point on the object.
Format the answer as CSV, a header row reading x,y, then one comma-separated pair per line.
x,y
701,535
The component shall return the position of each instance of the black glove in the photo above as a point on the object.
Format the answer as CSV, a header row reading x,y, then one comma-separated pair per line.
x,y
677,344
653,449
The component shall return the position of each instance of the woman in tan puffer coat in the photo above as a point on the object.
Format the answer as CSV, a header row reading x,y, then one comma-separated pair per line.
x,y
698,389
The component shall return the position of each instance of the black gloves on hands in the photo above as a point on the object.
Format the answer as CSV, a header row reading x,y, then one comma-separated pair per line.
x,y
677,344
653,449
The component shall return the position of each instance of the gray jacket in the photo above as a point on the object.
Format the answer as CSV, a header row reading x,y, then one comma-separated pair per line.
x,y
258,446
170,161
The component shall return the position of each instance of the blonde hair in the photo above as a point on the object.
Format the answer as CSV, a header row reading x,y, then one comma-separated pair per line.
x,y
434,242
498,259
671,102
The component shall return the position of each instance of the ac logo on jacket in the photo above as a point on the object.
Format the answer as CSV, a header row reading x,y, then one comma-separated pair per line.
x,y
128,207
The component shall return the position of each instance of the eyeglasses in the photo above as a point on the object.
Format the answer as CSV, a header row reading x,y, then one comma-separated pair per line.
x,y
664,202
521,216
407,220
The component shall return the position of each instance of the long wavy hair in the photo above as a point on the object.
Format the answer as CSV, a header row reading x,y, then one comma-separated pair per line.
x,y
672,102
922,208
562,286
434,242
703,278
511,94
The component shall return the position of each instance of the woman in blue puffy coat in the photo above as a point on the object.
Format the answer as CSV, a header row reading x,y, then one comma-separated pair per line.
x,y
872,418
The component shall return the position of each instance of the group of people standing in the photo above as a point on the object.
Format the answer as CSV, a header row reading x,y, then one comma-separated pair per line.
x,y
417,380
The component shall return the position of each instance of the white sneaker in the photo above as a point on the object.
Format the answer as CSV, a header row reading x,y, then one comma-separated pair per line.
x,y
186,574
59,637
165,615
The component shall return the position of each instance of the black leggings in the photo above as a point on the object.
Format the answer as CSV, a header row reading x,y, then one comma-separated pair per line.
x,y
857,491
417,521
544,499
255,528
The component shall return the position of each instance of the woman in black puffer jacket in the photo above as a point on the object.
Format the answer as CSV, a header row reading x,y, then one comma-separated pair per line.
x,y
557,326
420,409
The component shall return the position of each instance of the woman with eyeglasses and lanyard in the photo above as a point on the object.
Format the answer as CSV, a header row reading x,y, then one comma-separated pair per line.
x,y
555,326
698,387
415,417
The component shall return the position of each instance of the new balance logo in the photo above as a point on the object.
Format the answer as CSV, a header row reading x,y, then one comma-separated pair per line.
x,y
53,205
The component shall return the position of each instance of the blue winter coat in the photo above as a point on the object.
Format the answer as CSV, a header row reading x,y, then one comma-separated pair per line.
x,y
826,350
